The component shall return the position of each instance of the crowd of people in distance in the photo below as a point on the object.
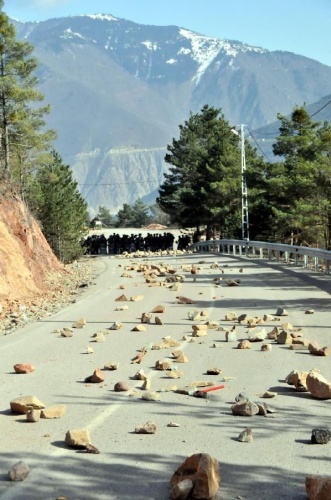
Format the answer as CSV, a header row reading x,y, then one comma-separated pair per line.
x,y
117,244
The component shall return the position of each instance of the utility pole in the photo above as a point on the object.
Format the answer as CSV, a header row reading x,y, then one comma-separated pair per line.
x,y
244,197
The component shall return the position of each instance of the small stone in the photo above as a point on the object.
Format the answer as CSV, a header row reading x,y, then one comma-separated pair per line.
x,y
148,428
89,350
257,335
284,337
24,368
182,359
33,416
246,436
19,471
121,387
266,347
146,317
23,404
231,336
91,449
121,298
174,374
269,394
151,396
273,334
320,436
78,438
162,365
122,308
281,312
53,411
173,424
80,323
158,309
146,384
139,328
232,282
214,371
99,337
111,366
116,326
231,316
245,409
268,317
314,348
184,300
244,344
136,298
97,376
158,321
177,354
310,311
67,333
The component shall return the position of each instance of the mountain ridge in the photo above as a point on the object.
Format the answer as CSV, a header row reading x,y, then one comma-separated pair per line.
x,y
113,83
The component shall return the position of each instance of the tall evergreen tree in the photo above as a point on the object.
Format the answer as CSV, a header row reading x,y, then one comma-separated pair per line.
x,y
298,184
203,186
19,123
60,208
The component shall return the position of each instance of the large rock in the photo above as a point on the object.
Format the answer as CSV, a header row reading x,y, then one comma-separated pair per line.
x,y
18,472
78,438
318,488
23,404
203,471
318,386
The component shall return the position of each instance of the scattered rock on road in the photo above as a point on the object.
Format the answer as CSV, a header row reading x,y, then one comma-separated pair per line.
x,y
19,471
197,477
246,436
23,404
148,428
24,368
320,436
78,438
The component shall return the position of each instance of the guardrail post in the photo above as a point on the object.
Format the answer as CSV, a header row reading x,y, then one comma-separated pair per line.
x,y
305,261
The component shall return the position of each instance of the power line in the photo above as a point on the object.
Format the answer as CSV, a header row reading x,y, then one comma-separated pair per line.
x,y
117,183
325,105
252,136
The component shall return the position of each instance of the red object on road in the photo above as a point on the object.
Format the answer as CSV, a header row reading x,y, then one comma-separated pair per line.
x,y
213,388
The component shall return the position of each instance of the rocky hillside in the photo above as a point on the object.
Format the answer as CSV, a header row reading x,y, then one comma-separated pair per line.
x,y
25,256
33,283
118,88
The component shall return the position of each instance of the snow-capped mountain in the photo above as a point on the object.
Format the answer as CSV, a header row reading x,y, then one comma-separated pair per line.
x,y
119,90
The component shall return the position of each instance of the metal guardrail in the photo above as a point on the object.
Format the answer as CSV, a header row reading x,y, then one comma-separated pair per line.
x,y
314,258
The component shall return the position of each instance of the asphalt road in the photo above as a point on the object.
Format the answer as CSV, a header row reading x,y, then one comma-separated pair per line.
x,y
136,466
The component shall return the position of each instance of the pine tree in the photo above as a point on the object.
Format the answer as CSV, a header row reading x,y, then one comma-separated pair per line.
x,y
60,208
298,183
23,139
203,186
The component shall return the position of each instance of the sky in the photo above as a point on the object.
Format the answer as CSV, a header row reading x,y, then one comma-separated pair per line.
x,y
299,26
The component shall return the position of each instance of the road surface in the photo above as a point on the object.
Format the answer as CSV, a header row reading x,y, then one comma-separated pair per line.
x,y
138,466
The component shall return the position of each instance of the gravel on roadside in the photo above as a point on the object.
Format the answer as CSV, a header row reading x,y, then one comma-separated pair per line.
x,y
63,288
